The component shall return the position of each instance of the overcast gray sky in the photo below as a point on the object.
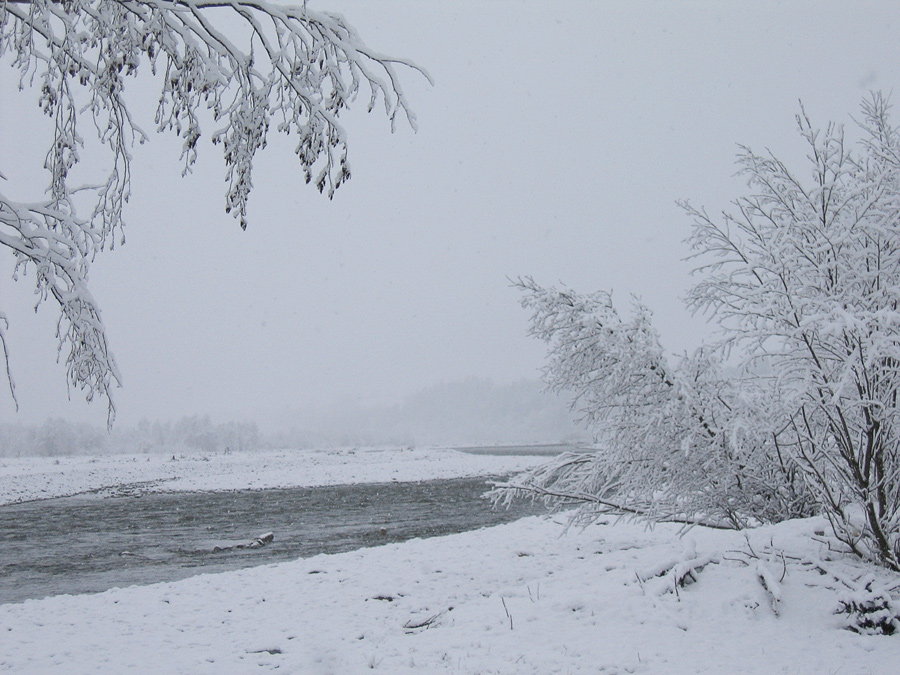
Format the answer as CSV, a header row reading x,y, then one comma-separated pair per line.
x,y
554,143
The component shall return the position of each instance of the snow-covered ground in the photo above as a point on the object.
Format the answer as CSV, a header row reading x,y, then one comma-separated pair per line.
x,y
516,598
528,597
29,478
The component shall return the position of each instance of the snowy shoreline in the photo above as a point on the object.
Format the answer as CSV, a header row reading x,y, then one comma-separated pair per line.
x,y
528,597
25,479
516,598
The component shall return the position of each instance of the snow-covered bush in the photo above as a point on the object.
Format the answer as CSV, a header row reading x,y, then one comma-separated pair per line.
x,y
804,283
870,610
681,439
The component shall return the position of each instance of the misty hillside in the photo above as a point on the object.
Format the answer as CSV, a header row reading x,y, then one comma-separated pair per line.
x,y
469,412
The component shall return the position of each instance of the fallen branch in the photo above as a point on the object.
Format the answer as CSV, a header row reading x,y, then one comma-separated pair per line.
x,y
770,585
427,623
673,574
566,498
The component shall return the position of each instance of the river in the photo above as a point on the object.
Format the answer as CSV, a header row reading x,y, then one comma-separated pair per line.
x,y
89,543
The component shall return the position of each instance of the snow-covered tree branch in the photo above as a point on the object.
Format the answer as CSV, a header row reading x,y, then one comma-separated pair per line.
x,y
803,279
679,440
251,65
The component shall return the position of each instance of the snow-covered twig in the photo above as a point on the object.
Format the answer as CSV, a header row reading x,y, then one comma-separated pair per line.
x,y
675,573
770,585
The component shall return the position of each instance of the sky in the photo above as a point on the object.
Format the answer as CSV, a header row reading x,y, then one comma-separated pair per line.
x,y
554,143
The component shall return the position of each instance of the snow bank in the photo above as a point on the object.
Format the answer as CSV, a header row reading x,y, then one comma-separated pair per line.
x,y
517,598
30,478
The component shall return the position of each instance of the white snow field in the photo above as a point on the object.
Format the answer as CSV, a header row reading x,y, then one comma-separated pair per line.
x,y
528,597
29,478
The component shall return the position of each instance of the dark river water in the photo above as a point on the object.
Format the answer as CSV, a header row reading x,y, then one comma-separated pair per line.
x,y
87,543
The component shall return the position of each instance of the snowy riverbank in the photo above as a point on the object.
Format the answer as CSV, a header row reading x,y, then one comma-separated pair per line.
x,y
516,598
527,597
29,478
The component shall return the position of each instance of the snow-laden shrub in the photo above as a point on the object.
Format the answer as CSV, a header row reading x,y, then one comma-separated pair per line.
x,y
803,280
870,610
679,439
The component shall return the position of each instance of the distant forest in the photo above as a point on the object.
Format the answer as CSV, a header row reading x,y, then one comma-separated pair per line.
x,y
471,412
190,434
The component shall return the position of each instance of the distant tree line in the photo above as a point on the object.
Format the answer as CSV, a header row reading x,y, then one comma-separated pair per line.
x,y
469,412
189,434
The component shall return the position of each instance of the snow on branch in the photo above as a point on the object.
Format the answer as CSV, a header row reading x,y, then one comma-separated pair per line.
x,y
45,239
249,65
676,440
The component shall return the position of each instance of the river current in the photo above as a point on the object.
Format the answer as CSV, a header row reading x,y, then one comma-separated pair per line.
x,y
89,543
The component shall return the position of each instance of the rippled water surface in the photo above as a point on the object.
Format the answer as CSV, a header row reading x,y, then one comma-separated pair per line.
x,y
89,544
